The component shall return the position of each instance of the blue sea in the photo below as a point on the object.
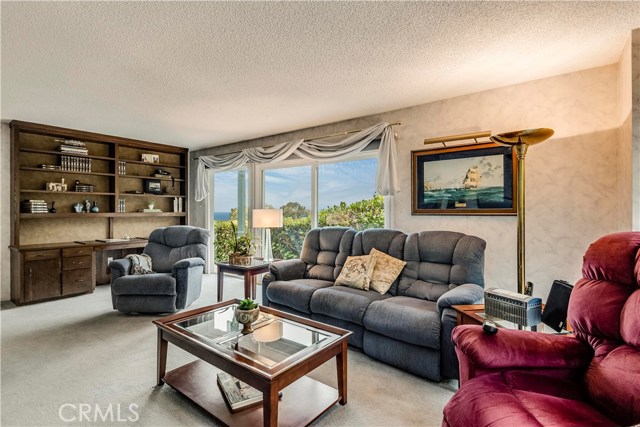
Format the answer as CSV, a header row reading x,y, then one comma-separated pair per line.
x,y
221,216
451,198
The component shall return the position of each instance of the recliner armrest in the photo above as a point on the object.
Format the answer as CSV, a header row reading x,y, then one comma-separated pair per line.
x,y
511,348
288,269
467,293
187,263
119,268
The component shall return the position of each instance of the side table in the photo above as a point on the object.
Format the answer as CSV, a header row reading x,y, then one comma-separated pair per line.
x,y
249,272
473,314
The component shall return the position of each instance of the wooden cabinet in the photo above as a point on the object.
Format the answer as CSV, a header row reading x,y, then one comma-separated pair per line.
x,y
114,174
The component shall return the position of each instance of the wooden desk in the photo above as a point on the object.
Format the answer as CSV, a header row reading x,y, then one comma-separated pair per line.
x,y
249,272
116,249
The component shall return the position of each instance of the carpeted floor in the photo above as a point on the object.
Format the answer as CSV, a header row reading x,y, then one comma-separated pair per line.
x,y
80,352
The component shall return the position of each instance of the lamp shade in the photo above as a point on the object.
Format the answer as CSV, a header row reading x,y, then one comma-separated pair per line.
x,y
267,218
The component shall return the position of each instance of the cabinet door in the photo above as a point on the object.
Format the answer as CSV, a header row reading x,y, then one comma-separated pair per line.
x,y
42,279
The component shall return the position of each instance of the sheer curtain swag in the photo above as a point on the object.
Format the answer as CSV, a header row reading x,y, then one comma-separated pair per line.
x,y
386,176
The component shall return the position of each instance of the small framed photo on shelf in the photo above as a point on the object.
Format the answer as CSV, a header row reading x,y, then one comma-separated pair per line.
x,y
152,186
150,158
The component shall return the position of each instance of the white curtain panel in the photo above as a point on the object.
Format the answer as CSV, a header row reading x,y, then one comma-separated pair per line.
x,y
386,176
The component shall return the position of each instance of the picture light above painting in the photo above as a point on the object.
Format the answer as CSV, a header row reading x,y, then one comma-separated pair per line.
x,y
474,179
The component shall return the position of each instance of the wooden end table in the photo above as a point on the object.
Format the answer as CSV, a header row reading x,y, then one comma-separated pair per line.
x,y
473,314
276,357
249,272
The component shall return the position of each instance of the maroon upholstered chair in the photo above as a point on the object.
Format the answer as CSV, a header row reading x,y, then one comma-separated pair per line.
x,y
521,378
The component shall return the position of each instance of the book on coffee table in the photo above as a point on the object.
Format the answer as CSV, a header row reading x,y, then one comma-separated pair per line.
x,y
239,395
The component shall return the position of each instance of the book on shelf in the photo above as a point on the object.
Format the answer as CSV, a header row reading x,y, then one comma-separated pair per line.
x,y
150,210
239,395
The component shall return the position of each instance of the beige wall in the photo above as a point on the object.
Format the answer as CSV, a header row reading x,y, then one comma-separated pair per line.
x,y
625,169
5,223
635,127
572,184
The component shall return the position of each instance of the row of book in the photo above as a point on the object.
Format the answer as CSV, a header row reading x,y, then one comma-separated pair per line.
x,y
34,206
75,164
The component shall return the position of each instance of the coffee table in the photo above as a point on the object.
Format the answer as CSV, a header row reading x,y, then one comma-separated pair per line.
x,y
276,357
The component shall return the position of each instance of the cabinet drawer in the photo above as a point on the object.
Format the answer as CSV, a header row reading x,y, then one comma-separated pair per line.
x,y
76,281
38,255
76,263
85,250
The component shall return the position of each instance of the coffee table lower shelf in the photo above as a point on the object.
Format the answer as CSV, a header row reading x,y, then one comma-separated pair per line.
x,y
302,402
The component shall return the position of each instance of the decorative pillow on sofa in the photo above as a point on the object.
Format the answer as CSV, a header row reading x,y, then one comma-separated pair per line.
x,y
385,271
140,264
356,272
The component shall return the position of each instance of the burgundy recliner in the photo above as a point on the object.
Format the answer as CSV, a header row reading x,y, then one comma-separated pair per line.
x,y
521,378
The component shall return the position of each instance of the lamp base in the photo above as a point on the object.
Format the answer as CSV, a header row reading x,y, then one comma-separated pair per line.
x,y
268,253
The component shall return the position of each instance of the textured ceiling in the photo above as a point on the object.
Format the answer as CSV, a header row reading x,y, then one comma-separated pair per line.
x,y
200,74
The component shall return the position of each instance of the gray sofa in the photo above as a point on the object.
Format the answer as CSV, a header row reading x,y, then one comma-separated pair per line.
x,y
178,255
408,327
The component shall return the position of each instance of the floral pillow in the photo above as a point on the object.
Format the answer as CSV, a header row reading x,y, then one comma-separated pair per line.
x,y
140,264
356,272
385,271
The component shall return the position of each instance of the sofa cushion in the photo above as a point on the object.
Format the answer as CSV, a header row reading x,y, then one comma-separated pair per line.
x,y
385,271
325,251
149,284
344,303
411,320
356,272
295,293
519,398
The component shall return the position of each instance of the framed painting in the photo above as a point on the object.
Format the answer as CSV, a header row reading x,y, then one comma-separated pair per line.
x,y
470,180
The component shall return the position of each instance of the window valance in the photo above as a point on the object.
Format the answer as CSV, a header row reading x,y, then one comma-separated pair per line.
x,y
386,175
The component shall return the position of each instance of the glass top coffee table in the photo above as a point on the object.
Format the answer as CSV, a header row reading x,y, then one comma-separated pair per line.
x,y
274,359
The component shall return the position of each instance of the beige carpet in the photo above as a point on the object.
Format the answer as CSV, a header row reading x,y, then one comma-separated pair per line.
x,y
80,352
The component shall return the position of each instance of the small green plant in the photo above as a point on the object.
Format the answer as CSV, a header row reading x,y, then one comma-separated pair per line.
x,y
247,304
242,245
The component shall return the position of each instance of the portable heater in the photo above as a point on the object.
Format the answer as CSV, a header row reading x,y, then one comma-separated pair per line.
x,y
523,310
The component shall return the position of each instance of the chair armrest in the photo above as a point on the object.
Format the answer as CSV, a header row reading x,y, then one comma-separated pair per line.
x,y
511,348
187,263
468,293
288,269
119,268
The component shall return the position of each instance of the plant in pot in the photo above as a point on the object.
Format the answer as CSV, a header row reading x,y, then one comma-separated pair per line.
x,y
246,313
243,247
151,204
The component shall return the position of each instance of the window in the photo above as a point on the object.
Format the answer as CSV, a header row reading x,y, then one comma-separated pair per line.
x,y
290,190
230,203
320,194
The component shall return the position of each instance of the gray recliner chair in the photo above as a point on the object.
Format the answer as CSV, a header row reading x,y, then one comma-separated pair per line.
x,y
178,255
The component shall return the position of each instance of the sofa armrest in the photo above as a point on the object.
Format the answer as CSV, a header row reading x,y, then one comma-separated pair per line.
x,y
468,293
119,268
288,269
511,348
187,263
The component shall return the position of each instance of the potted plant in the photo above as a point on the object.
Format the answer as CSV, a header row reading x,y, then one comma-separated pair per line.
x,y
243,247
151,204
246,313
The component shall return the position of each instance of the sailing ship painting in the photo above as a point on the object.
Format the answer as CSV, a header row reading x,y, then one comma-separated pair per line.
x,y
469,183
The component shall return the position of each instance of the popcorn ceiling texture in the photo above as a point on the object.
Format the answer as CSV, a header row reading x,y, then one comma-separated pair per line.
x,y
200,74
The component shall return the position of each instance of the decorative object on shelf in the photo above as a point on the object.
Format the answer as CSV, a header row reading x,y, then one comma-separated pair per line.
x,y
161,173
267,218
83,188
53,207
152,186
56,186
246,313
95,208
87,206
151,204
466,180
519,141
243,247
78,207
149,158
34,206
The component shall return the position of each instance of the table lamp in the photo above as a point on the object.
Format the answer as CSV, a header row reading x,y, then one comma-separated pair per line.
x,y
520,140
267,219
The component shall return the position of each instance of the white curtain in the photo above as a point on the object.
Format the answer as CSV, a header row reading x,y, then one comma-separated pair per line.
x,y
386,176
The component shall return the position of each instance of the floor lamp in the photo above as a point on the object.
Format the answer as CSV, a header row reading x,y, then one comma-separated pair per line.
x,y
267,218
520,140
